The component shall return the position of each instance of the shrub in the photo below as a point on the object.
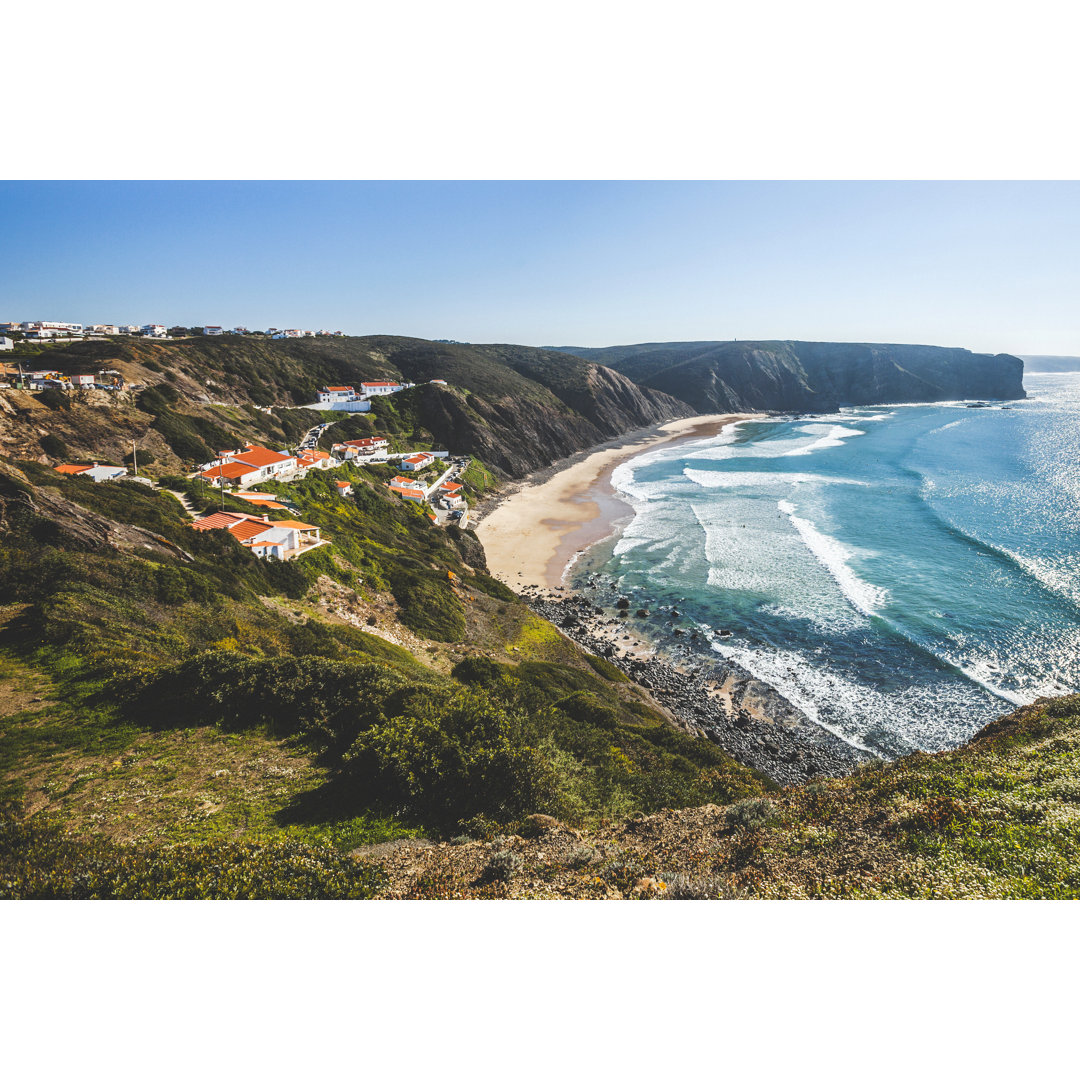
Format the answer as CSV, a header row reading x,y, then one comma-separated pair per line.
x,y
54,446
685,887
55,399
450,757
750,814
502,866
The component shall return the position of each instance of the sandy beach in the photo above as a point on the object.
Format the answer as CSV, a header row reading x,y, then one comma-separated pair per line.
x,y
533,534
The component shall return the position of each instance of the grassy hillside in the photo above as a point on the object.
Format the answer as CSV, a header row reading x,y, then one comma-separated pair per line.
x,y
161,686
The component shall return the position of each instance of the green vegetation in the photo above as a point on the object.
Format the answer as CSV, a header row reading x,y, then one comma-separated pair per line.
x,y
159,656
54,446
38,861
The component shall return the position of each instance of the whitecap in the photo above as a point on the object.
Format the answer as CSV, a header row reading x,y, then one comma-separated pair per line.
x,y
865,597
835,436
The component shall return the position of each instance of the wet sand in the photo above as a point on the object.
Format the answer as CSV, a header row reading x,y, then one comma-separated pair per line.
x,y
533,534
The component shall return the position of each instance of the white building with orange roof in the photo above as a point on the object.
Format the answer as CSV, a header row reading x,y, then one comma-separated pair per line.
x,y
452,494
315,459
416,462
353,448
251,464
329,394
94,472
406,488
263,537
378,389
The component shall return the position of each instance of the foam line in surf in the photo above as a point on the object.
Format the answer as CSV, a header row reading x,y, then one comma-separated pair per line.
x,y
866,598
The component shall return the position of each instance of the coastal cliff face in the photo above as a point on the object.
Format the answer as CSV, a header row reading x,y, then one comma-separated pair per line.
x,y
809,375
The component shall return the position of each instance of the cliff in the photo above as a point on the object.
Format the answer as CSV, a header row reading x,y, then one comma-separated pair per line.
x,y
810,375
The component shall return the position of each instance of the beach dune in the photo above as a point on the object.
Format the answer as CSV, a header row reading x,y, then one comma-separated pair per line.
x,y
532,536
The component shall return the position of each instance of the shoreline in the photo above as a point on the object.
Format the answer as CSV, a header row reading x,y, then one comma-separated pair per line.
x,y
533,533
701,692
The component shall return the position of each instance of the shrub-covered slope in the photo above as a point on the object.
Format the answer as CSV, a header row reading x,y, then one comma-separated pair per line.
x,y
187,693
517,408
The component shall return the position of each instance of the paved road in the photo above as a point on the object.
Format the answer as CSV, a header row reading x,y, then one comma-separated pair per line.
x,y
311,440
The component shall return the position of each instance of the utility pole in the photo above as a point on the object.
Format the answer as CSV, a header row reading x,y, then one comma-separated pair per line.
x,y
221,482
134,457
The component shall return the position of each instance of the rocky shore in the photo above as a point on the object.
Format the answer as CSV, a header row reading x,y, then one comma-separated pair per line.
x,y
703,692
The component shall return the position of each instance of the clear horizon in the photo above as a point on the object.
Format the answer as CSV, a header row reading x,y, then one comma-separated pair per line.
x,y
985,265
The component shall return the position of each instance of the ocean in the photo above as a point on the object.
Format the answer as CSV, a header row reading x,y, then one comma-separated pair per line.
x,y
903,574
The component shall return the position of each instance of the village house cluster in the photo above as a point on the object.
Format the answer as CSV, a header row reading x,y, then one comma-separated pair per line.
x,y
38,330
58,331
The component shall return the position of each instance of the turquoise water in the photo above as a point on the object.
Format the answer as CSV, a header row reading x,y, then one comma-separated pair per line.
x,y
903,574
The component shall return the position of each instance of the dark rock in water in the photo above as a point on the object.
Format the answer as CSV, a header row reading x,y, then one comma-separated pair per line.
x,y
677,632
641,613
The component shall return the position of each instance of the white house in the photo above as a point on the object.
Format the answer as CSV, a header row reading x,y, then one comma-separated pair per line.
x,y
330,394
453,495
127,329
352,448
416,462
6,343
377,389
263,537
82,381
213,331
413,490
62,329
95,472
153,330
249,465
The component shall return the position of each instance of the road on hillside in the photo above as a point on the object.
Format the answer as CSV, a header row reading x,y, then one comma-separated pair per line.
x,y
311,440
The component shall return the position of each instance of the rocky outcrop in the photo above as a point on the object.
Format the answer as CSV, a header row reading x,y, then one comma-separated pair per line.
x,y
716,376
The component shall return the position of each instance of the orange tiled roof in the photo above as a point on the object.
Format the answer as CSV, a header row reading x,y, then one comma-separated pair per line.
x,y
72,469
219,520
265,503
332,389
380,384
248,530
231,470
450,486
289,524
404,481
260,456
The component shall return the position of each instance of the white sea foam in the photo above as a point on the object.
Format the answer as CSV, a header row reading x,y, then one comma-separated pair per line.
x,y
714,478
834,436
833,555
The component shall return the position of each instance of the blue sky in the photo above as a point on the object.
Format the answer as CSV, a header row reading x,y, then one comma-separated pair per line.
x,y
991,266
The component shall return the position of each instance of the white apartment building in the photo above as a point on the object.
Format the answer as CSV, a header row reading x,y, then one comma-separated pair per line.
x,y
153,330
